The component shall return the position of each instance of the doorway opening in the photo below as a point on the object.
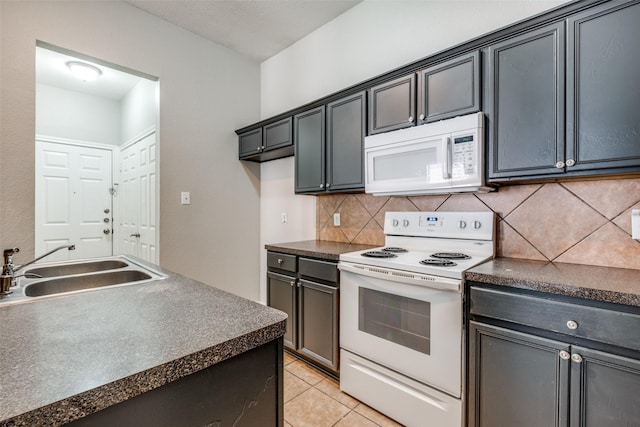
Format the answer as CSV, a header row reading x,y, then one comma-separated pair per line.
x,y
97,164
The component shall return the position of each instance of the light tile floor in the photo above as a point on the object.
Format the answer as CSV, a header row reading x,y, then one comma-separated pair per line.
x,y
312,399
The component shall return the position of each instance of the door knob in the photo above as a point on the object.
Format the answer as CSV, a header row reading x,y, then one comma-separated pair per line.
x,y
136,235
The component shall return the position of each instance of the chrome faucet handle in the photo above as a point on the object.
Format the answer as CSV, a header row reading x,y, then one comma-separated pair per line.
x,y
8,254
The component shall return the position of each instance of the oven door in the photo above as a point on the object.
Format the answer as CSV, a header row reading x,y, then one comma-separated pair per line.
x,y
411,329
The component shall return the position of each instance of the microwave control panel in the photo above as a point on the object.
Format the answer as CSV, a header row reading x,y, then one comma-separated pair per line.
x,y
464,156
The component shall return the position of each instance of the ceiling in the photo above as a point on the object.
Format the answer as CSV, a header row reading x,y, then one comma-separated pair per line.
x,y
256,28
52,70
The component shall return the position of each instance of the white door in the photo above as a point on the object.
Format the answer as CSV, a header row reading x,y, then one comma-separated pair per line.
x,y
137,226
73,200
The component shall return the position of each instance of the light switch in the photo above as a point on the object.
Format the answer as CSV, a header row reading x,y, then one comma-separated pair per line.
x,y
284,218
336,219
635,224
185,198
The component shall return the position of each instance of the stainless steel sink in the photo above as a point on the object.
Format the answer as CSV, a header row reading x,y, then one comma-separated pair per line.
x,y
76,268
53,279
87,281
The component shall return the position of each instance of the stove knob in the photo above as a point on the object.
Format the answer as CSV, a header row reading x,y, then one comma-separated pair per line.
x,y
462,224
394,223
405,222
477,225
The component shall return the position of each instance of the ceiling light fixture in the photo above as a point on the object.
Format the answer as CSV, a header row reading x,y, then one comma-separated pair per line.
x,y
83,71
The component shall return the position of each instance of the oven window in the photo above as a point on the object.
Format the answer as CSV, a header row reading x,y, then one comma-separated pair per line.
x,y
404,321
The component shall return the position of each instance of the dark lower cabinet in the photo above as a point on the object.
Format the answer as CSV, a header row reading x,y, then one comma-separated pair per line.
x,y
281,291
318,326
246,390
605,389
534,361
516,379
307,289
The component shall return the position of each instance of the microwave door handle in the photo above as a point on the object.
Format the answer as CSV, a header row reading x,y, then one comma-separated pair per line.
x,y
446,172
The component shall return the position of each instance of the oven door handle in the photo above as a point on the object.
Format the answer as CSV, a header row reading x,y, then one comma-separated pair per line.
x,y
433,282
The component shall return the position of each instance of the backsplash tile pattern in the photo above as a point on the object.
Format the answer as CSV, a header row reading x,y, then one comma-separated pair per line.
x,y
581,222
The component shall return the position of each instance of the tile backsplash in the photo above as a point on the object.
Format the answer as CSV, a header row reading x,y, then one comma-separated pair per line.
x,y
581,222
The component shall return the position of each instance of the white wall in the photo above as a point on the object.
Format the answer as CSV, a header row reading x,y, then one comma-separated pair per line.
x,y
216,238
78,116
139,110
370,39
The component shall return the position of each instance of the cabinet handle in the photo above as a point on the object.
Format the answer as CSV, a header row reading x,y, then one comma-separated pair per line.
x,y
410,119
280,261
321,185
572,324
564,355
421,117
576,358
328,185
292,283
560,165
571,162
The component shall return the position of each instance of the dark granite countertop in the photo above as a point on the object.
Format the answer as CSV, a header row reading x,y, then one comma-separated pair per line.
x,y
66,357
616,285
317,248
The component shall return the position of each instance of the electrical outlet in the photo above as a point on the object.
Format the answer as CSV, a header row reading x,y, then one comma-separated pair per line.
x,y
635,224
284,218
336,219
185,198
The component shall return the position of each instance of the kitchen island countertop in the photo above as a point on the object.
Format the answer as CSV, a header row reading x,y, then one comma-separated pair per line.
x,y
606,284
317,248
66,357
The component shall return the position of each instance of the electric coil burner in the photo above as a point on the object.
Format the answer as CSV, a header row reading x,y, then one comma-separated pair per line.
x,y
401,315
378,254
438,262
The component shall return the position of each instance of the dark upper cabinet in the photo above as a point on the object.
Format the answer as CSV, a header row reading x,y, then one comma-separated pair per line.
x,y
309,140
346,127
449,89
250,143
524,104
392,105
272,141
329,154
603,88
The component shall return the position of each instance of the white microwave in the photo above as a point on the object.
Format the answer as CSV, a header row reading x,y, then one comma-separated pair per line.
x,y
441,157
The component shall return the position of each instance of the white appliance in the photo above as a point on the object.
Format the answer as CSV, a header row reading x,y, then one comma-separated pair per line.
x,y
441,157
401,326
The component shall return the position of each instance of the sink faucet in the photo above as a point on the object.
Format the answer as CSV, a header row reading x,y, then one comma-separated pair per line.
x,y
9,278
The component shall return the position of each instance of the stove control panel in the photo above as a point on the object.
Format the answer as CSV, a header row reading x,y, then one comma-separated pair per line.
x,y
458,225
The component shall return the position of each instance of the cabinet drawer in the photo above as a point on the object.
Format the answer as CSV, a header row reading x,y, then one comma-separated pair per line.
x,y
281,261
322,270
593,323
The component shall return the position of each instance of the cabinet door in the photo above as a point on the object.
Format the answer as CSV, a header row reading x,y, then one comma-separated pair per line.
x,y
392,105
281,294
318,327
309,139
516,379
525,104
605,389
449,89
603,89
278,134
346,127
250,143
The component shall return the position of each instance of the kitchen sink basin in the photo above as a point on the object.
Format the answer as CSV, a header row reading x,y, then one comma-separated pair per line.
x,y
78,283
54,279
77,268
